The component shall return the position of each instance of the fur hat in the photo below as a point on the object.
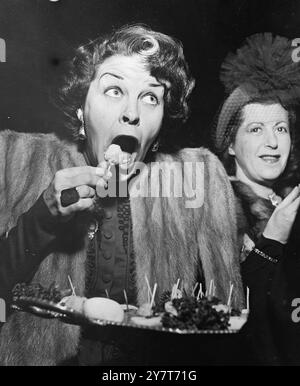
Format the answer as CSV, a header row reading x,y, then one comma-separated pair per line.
x,y
261,70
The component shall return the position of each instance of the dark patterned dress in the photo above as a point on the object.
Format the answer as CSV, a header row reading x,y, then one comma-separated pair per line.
x,y
110,270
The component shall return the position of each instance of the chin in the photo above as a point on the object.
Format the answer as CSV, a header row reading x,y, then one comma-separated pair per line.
x,y
269,179
272,173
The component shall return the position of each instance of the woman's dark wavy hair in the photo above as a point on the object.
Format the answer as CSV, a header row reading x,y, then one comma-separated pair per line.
x,y
291,174
163,57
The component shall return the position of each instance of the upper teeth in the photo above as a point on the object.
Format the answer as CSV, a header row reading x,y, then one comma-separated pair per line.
x,y
270,158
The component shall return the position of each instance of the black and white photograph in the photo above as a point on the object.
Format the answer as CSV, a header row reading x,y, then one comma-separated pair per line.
x,y
149,185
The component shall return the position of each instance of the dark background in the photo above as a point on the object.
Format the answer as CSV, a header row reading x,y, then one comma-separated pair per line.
x,y
40,36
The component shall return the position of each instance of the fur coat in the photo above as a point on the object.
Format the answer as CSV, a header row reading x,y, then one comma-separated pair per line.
x,y
171,241
253,213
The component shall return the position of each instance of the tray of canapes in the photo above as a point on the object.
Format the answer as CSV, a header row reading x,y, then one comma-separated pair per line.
x,y
175,312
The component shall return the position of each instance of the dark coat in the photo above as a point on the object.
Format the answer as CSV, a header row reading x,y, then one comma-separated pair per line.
x,y
271,333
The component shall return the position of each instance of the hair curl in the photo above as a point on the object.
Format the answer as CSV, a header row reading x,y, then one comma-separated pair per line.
x,y
163,57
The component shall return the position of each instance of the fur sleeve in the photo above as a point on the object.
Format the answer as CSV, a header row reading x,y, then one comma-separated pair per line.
x,y
28,163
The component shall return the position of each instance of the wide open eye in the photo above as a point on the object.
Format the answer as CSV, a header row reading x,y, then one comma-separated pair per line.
x,y
113,92
150,99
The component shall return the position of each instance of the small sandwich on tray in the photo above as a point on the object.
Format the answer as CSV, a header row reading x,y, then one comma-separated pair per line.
x,y
180,311
97,308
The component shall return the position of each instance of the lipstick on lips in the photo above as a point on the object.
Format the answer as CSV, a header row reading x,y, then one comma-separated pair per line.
x,y
270,158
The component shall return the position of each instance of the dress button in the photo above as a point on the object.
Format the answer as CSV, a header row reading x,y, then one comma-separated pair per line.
x,y
107,255
106,277
108,214
28,252
108,235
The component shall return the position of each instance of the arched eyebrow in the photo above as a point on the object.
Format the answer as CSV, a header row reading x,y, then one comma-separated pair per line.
x,y
111,74
156,85
263,123
120,77
277,123
255,123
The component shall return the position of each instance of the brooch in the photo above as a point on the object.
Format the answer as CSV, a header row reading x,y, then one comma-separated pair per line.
x,y
93,228
275,200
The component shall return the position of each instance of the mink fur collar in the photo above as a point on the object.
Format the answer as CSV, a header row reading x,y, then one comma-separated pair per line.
x,y
253,212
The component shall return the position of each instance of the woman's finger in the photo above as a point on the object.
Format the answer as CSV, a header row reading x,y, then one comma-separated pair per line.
x,y
101,188
86,191
290,197
85,203
83,179
77,170
294,206
105,166
81,205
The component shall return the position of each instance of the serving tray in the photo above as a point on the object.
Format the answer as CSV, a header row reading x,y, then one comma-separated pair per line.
x,y
50,310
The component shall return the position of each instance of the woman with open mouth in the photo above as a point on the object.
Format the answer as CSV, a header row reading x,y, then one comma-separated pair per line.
x,y
256,139
125,99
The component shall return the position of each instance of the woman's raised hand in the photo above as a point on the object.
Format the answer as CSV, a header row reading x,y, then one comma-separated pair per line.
x,y
280,223
84,179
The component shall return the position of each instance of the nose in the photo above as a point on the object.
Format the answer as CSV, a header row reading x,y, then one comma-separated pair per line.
x,y
130,115
271,140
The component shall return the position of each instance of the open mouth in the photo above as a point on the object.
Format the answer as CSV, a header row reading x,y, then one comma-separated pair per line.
x,y
270,158
127,143
129,146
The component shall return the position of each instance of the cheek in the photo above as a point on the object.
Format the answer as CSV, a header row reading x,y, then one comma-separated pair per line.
x,y
248,148
152,124
101,117
99,114
247,157
158,118
98,125
286,147
241,150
